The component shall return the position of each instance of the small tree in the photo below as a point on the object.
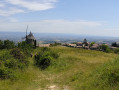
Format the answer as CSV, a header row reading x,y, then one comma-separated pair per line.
x,y
92,43
114,44
105,48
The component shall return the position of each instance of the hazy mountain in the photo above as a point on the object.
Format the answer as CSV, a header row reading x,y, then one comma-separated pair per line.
x,y
59,37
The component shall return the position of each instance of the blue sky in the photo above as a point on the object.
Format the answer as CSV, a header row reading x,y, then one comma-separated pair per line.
x,y
88,17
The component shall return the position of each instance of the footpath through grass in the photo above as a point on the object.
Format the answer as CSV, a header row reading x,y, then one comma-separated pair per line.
x,y
75,69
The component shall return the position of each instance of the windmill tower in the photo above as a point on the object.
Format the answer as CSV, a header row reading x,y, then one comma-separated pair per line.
x,y
30,39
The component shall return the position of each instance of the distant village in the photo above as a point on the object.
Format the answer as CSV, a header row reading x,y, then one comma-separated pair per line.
x,y
30,39
92,46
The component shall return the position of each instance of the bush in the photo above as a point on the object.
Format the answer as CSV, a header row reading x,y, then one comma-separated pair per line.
x,y
26,48
116,50
45,57
6,73
53,54
20,58
105,48
8,44
10,61
17,54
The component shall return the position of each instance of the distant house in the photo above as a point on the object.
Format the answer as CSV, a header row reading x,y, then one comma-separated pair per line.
x,y
113,48
44,45
79,43
86,47
95,47
71,45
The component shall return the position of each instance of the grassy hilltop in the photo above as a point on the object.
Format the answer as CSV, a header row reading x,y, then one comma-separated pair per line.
x,y
75,69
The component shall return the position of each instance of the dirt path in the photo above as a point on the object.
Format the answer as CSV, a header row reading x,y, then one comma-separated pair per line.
x,y
54,87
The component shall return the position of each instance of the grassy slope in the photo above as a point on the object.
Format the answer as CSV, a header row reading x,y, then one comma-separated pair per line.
x,y
71,70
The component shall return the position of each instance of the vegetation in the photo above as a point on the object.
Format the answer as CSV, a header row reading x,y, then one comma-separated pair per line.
x,y
92,43
116,50
45,57
69,68
106,48
7,44
55,44
26,48
12,59
114,44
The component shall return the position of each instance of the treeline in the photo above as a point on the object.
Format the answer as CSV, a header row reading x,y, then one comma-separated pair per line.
x,y
7,44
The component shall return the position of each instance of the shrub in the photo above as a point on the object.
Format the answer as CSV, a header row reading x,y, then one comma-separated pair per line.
x,y
45,57
92,43
14,59
10,62
6,73
8,44
20,58
116,50
55,55
105,48
26,48
17,54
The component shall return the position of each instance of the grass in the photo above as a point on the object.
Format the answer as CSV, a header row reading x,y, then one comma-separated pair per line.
x,y
75,69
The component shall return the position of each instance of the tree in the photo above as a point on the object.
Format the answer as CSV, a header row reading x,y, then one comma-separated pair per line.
x,y
114,44
105,48
1,44
92,43
8,44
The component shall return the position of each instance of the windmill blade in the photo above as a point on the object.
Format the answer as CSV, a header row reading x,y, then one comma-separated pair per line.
x,y
26,30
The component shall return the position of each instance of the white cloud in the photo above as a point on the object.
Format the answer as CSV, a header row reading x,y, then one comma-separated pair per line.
x,y
32,5
2,5
10,11
21,6
54,26
8,20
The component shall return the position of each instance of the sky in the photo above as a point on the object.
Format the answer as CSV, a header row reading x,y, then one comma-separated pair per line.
x,y
87,17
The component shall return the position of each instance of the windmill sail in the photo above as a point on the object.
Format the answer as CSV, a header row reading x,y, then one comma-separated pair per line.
x,y
26,33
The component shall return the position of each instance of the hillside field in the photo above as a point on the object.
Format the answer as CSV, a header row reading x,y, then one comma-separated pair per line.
x,y
75,69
